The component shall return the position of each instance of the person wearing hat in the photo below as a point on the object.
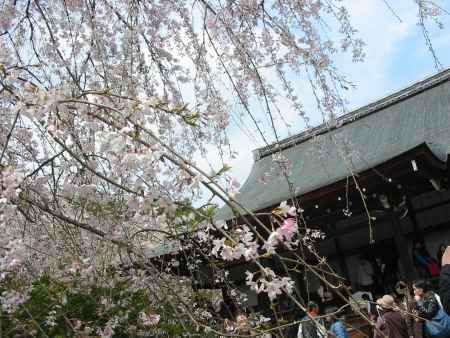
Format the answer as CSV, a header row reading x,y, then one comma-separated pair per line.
x,y
390,322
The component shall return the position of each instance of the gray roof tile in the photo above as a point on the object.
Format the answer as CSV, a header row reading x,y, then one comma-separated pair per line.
x,y
368,136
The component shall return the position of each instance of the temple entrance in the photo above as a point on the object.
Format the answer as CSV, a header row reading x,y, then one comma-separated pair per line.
x,y
384,259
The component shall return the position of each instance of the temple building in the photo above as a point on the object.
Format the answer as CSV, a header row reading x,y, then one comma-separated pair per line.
x,y
375,182
388,159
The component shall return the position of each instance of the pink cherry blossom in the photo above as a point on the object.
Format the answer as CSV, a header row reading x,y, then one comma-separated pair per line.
x,y
115,116
149,319
288,229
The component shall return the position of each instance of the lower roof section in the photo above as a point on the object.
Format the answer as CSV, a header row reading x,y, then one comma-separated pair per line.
x,y
419,114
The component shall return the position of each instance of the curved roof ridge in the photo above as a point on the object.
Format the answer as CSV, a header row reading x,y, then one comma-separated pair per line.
x,y
399,95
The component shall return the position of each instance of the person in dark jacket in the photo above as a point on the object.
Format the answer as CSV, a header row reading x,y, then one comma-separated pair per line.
x,y
390,323
426,300
401,294
308,328
444,281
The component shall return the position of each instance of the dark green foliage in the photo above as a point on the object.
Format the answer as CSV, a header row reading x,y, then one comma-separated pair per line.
x,y
78,304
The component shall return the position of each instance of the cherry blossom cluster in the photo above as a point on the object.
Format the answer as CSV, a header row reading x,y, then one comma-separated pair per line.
x,y
10,180
108,112
13,258
11,300
242,244
270,283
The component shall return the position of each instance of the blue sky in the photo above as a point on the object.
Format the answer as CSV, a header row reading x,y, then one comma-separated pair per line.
x,y
396,51
396,56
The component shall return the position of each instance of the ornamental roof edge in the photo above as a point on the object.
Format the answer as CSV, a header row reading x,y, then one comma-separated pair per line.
x,y
356,114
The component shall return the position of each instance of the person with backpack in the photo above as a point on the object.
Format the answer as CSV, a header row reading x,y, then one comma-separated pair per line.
x,y
390,322
437,322
444,281
427,301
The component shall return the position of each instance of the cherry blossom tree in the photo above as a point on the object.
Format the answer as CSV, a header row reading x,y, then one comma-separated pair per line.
x,y
105,106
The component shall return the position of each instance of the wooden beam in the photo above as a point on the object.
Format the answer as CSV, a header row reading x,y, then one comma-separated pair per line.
x,y
342,262
413,217
402,248
397,169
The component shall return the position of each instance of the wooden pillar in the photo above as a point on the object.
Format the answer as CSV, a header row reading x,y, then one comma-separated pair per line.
x,y
412,217
402,248
342,262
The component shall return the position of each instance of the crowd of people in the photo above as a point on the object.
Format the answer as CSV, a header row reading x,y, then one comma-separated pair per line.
x,y
405,310
415,311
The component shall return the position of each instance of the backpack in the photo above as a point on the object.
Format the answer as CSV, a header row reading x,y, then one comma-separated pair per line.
x,y
439,325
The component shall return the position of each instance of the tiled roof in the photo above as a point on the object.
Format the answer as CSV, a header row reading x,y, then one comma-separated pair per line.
x,y
366,137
